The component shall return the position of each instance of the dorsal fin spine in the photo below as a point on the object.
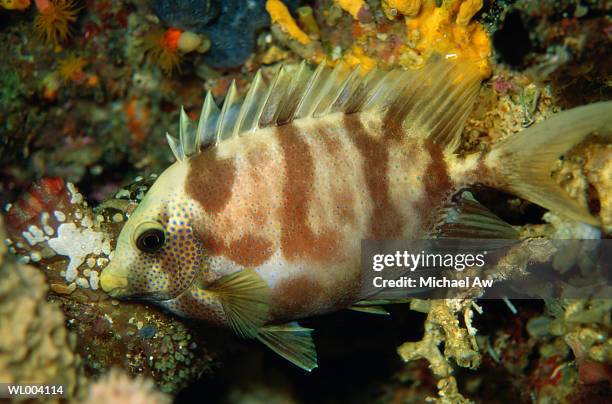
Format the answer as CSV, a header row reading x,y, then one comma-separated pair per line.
x,y
347,91
327,105
262,119
381,94
223,124
363,91
293,94
187,134
277,96
208,109
306,107
434,100
328,91
262,106
249,112
176,147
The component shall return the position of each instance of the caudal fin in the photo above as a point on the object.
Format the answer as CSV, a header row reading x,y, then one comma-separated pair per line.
x,y
524,161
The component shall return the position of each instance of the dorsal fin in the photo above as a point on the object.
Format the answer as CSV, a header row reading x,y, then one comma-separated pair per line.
x,y
435,100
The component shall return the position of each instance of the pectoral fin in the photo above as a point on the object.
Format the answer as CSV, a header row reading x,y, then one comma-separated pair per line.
x,y
292,342
244,296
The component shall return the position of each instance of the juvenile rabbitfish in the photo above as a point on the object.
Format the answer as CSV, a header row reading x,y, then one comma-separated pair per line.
x,y
260,220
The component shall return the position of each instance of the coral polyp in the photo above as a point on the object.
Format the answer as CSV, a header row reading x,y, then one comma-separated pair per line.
x,y
53,20
161,48
71,68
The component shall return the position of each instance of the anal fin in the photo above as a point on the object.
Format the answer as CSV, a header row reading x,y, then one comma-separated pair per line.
x,y
467,218
292,342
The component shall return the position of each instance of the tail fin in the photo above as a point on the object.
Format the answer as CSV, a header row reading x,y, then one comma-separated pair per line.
x,y
525,160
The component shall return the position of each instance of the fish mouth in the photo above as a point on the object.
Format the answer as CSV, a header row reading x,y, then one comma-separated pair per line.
x,y
112,284
113,281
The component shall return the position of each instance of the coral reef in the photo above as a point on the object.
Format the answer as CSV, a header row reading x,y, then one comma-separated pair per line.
x,y
93,109
35,344
52,227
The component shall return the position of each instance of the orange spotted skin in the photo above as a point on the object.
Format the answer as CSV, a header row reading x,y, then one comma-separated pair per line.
x,y
295,201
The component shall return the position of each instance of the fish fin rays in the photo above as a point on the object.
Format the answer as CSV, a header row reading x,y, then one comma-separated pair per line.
x,y
176,147
378,310
465,217
525,160
434,100
244,296
225,123
292,342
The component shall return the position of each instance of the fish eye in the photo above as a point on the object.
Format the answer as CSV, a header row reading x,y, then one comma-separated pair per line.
x,y
150,237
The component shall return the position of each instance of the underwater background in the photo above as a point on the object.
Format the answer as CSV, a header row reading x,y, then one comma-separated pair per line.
x,y
88,90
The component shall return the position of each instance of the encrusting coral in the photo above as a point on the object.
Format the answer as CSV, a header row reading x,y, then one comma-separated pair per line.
x,y
279,13
447,29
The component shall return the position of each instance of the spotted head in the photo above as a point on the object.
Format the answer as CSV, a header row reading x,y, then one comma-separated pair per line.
x,y
158,255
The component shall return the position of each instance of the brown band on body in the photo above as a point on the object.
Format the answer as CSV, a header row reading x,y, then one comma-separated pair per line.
x,y
437,185
297,295
344,200
298,241
210,180
250,250
210,183
304,295
386,221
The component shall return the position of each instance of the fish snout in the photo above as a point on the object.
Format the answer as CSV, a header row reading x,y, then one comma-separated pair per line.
x,y
113,281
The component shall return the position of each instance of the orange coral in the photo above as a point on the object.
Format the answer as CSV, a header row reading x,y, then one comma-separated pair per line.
x,y
137,118
448,30
53,19
279,14
353,7
71,68
161,48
